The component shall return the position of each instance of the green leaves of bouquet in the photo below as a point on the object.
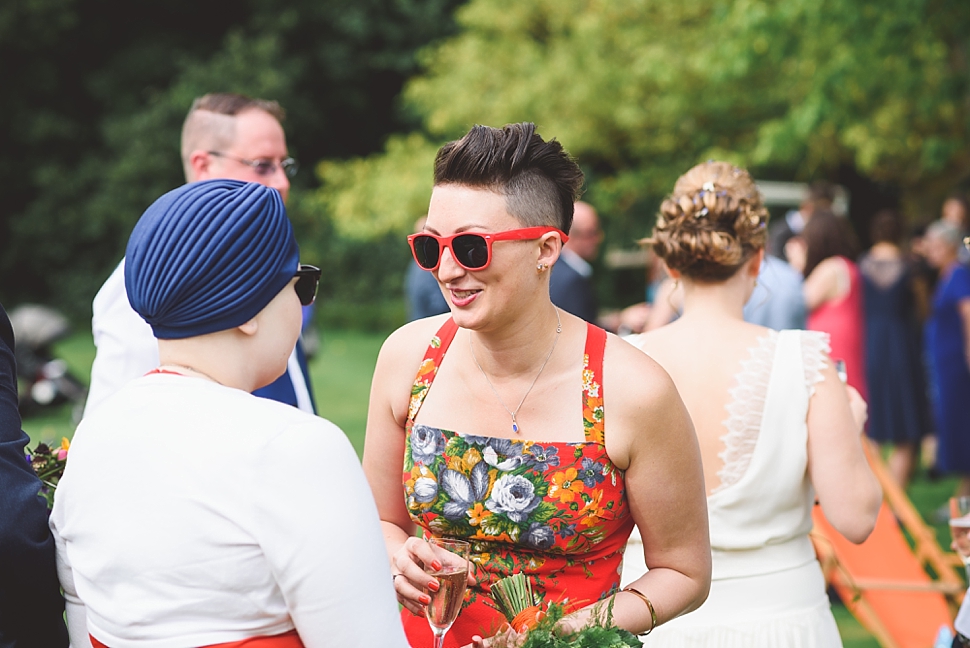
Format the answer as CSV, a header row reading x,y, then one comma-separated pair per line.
x,y
525,614
48,463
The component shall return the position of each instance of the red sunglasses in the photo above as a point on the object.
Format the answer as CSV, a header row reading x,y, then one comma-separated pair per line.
x,y
472,251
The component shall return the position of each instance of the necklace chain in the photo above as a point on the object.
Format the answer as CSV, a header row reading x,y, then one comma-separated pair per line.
x,y
515,425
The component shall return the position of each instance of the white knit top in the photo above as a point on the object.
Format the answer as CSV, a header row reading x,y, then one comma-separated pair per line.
x,y
192,514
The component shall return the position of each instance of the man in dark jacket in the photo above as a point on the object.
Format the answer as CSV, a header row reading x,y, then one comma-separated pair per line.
x,y
571,285
31,606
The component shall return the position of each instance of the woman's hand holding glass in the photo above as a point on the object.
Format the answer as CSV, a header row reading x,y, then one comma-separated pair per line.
x,y
413,566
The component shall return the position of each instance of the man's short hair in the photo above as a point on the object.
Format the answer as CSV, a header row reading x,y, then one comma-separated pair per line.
x,y
210,124
540,180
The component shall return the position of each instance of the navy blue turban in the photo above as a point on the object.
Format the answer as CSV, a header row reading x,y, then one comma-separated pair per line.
x,y
209,256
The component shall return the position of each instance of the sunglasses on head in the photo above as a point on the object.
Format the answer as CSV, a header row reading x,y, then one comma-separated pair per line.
x,y
471,250
307,279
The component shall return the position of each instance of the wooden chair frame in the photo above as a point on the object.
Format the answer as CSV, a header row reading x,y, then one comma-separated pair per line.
x,y
946,565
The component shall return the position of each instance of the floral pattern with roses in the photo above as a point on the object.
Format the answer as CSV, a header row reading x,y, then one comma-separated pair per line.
x,y
555,511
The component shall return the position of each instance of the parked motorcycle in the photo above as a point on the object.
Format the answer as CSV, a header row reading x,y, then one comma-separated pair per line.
x,y
44,380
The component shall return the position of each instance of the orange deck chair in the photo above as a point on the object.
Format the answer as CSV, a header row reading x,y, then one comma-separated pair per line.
x,y
884,581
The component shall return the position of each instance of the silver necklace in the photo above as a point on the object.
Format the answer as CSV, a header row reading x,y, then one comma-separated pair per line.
x,y
515,425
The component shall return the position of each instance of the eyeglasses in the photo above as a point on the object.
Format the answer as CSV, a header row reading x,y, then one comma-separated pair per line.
x,y
265,166
472,251
307,279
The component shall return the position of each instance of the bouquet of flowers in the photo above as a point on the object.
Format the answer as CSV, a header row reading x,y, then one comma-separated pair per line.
x,y
515,599
49,464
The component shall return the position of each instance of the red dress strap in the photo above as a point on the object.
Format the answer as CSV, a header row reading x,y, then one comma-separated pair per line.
x,y
429,367
593,415
159,370
286,640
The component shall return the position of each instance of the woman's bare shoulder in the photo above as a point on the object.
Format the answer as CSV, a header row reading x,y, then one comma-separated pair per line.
x,y
832,266
633,374
650,342
406,346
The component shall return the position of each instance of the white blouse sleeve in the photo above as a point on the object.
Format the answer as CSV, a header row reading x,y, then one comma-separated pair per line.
x,y
321,535
126,346
77,625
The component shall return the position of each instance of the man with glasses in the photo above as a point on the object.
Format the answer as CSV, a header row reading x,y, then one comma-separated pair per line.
x,y
224,136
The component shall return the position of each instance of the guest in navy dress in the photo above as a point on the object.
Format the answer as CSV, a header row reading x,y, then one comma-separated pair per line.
x,y
947,332
898,411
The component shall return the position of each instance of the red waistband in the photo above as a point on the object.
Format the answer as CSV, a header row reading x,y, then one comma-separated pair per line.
x,y
286,640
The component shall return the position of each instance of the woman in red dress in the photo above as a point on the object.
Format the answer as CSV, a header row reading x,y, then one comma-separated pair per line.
x,y
833,290
540,439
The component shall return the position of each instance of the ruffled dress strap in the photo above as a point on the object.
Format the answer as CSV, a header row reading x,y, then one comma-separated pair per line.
x,y
429,367
593,416
815,349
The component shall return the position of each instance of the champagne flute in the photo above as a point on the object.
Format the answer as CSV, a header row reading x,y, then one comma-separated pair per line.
x,y
452,579
960,528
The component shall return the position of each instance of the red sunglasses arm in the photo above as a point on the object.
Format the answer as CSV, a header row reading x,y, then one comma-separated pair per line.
x,y
525,234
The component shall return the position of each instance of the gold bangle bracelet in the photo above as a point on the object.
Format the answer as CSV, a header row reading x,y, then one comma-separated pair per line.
x,y
653,613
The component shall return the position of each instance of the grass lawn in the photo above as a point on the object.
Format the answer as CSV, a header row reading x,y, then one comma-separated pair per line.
x,y
341,374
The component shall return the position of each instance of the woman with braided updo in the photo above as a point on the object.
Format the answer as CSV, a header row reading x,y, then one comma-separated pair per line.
x,y
776,426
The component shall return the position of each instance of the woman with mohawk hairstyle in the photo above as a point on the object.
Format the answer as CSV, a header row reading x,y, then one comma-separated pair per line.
x,y
539,438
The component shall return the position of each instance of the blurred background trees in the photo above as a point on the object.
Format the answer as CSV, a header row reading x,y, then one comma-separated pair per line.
x,y
872,94
95,92
639,90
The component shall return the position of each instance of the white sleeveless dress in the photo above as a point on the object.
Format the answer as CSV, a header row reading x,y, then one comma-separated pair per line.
x,y
767,588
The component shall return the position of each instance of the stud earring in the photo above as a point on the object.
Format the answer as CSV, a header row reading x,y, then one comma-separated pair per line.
x,y
541,267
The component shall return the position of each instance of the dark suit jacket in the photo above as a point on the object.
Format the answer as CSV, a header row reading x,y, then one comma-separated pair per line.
x,y
572,292
422,294
31,606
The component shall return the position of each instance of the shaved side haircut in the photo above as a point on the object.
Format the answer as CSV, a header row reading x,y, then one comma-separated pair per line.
x,y
540,181
211,125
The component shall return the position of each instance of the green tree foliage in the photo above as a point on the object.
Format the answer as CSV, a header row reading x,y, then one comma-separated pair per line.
x,y
640,90
96,91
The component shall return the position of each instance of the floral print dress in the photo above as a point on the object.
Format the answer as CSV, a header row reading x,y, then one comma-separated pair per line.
x,y
555,511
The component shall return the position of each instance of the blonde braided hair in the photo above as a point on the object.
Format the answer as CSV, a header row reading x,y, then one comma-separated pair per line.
x,y
711,224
